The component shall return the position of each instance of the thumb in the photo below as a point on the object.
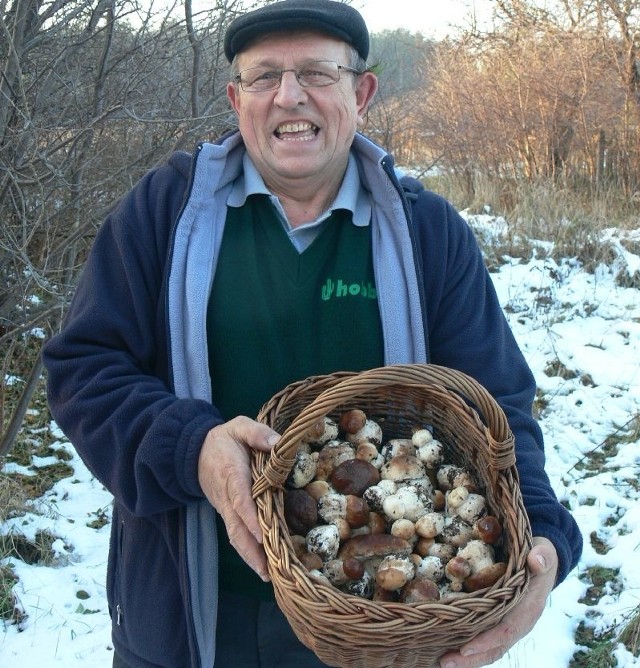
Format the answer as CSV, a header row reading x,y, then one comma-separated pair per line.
x,y
542,557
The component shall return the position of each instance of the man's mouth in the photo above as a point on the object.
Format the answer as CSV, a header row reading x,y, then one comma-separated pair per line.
x,y
298,131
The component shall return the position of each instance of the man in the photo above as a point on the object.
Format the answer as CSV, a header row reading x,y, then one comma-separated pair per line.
x,y
209,288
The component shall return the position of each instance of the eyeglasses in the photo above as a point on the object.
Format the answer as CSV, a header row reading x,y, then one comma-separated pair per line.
x,y
313,74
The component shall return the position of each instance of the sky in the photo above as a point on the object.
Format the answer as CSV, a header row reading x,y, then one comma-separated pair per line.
x,y
433,18
560,313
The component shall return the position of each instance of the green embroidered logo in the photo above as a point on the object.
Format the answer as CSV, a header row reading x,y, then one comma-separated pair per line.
x,y
335,289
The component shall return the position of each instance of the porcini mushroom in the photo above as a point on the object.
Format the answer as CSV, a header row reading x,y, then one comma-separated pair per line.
x,y
394,572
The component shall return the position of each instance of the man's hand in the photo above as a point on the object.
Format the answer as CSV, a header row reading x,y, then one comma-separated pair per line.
x,y
489,646
224,472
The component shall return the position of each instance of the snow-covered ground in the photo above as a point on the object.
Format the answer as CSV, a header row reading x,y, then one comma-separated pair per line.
x,y
580,332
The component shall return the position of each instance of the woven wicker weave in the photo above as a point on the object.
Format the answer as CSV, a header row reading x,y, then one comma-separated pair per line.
x,y
352,632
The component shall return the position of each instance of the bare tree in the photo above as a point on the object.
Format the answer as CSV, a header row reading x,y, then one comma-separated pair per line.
x,y
92,94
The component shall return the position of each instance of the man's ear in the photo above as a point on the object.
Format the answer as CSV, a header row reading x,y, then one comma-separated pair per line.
x,y
366,88
232,95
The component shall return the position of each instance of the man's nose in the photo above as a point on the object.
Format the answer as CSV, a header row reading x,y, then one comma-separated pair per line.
x,y
290,93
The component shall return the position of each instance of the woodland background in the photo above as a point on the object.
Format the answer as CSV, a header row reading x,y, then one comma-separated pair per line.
x,y
540,112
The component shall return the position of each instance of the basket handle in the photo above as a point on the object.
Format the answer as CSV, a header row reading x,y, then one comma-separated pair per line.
x,y
281,458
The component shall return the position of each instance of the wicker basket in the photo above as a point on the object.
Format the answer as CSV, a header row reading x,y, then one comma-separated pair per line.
x,y
352,632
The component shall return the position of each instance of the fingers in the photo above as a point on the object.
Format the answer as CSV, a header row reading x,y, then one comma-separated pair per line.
x,y
491,645
224,473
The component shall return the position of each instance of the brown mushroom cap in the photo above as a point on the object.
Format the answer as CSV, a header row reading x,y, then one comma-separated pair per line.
x,y
300,511
485,577
352,421
354,476
420,591
402,467
368,546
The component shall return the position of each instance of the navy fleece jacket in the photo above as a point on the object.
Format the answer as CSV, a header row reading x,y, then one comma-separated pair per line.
x,y
122,392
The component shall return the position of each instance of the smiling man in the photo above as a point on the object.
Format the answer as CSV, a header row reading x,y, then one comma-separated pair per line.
x,y
286,249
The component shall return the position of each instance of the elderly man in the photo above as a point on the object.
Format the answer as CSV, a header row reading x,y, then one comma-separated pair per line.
x,y
209,288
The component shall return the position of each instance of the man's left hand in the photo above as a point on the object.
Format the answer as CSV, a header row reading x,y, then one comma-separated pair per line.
x,y
491,645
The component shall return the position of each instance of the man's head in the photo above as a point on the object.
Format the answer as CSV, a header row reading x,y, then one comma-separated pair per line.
x,y
325,16
300,89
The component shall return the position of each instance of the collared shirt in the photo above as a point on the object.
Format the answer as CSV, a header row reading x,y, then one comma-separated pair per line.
x,y
352,196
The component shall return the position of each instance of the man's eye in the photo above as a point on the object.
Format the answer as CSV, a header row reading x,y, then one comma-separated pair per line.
x,y
267,76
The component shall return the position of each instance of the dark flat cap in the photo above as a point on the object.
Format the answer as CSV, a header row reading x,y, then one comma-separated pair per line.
x,y
326,16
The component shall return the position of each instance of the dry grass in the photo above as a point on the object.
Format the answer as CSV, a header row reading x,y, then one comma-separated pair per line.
x,y
572,218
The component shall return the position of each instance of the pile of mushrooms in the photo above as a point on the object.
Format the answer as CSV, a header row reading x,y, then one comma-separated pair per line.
x,y
388,521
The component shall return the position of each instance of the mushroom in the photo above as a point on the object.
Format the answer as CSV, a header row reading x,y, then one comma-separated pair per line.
x,y
363,587
479,555
406,503
300,511
403,468
394,572
354,476
351,422
324,430
404,528
370,432
454,498
456,532
457,570
429,568
303,470
339,572
324,540
430,525
443,551
420,591
472,508
485,577
421,437
353,509
311,561
450,476
488,529
368,452
332,454
376,494
370,546
318,488
397,447
431,453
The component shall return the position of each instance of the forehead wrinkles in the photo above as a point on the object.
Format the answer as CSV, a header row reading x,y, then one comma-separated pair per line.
x,y
278,51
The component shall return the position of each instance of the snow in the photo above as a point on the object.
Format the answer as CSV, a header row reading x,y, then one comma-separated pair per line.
x,y
585,325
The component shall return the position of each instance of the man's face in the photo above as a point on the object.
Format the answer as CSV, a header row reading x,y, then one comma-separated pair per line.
x,y
297,132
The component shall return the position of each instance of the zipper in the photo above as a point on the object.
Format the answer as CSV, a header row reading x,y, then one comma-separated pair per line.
x,y
118,614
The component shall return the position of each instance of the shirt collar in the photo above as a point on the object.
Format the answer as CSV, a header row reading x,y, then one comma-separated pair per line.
x,y
351,196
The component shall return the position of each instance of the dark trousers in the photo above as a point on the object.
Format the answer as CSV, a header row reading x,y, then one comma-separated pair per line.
x,y
254,634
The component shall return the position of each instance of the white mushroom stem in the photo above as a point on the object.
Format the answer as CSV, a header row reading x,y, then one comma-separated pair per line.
x,y
303,470
479,555
431,454
430,568
455,498
324,540
472,508
421,437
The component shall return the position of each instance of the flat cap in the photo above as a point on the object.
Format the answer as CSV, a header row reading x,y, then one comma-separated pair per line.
x,y
326,16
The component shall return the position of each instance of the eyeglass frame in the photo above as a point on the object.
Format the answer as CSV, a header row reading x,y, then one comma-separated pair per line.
x,y
238,77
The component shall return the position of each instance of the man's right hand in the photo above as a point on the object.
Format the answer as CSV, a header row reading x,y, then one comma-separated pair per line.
x,y
224,473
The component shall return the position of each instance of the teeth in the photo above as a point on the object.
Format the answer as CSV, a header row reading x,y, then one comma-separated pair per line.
x,y
295,127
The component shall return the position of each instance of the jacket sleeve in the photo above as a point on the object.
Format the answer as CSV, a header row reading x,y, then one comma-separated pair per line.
x,y
467,330
109,387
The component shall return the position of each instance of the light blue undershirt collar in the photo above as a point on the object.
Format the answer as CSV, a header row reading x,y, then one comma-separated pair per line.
x,y
351,196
